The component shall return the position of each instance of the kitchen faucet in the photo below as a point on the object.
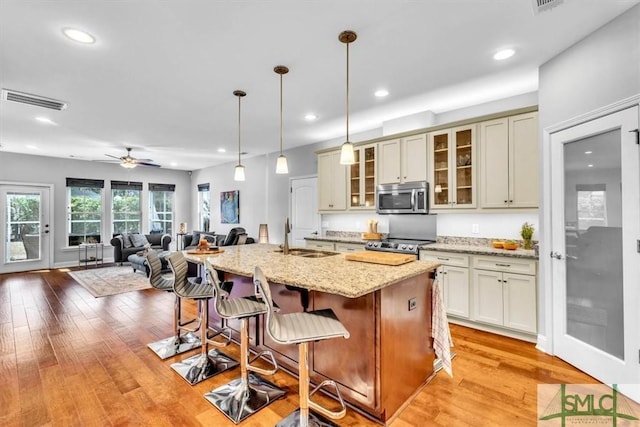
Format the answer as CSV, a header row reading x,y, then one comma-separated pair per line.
x,y
287,230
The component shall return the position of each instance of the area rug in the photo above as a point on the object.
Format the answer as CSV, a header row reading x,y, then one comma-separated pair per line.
x,y
105,281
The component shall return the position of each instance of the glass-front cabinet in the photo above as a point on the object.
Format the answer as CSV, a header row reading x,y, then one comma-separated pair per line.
x,y
362,178
453,167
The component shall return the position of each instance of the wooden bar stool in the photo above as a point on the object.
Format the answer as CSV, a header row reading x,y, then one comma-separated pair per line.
x,y
178,343
198,368
248,394
301,329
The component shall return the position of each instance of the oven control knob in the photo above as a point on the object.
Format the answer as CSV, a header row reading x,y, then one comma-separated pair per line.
x,y
410,247
370,244
404,246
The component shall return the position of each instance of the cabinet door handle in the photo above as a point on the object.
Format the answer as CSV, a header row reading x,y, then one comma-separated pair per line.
x,y
443,259
503,265
505,202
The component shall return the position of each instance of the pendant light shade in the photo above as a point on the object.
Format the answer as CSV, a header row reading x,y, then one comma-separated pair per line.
x,y
347,156
281,164
239,171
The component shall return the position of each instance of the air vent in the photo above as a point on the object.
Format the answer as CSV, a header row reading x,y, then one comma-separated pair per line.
x,y
542,5
38,101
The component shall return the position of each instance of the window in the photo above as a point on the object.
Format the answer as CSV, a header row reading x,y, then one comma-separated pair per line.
x,y
204,211
84,211
126,206
161,208
592,205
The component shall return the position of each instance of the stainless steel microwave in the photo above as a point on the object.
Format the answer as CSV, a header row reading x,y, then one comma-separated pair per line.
x,y
409,198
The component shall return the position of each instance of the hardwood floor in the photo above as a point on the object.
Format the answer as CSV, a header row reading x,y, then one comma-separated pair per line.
x,y
69,359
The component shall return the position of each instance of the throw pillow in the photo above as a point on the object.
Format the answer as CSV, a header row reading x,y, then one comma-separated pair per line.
x,y
195,238
138,240
209,237
126,240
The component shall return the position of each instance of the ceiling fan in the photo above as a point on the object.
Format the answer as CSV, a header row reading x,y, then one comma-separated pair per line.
x,y
131,162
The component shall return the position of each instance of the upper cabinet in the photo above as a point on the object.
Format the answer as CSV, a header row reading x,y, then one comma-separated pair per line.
x,y
453,155
332,182
362,178
403,160
509,162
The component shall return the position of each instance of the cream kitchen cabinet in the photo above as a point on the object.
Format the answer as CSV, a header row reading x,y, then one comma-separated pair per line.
x,y
320,245
509,162
453,162
403,160
334,246
362,178
504,292
332,182
453,274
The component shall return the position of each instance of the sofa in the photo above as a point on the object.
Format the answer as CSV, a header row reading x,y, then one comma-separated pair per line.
x,y
237,235
132,243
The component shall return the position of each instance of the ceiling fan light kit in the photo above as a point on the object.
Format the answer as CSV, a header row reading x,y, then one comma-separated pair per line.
x,y
130,162
347,156
281,164
238,174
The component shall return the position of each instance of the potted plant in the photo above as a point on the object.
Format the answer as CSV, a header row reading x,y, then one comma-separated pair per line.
x,y
527,234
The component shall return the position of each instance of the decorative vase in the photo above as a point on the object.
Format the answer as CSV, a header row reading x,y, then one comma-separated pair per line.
x,y
527,244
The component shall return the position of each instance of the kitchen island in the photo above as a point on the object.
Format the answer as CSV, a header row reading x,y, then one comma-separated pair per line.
x,y
387,310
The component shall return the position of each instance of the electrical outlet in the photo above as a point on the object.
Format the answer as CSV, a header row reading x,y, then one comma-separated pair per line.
x,y
475,228
413,303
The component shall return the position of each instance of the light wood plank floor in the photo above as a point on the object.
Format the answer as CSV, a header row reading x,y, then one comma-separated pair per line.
x,y
69,359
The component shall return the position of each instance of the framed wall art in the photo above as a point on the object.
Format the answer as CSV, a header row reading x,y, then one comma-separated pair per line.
x,y
230,207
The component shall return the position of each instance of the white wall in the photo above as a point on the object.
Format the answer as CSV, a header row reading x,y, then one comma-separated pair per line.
x,y
49,170
597,71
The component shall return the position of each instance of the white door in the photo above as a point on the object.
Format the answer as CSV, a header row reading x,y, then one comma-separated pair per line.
x,y
595,214
24,212
305,220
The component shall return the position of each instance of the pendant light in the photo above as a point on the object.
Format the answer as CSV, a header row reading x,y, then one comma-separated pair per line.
x,y
281,164
346,153
239,171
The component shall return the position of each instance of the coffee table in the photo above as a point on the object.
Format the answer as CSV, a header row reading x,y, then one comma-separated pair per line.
x,y
139,262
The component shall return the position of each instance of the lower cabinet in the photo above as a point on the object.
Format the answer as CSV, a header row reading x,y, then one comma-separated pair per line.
x,y
493,293
453,275
502,297
331,246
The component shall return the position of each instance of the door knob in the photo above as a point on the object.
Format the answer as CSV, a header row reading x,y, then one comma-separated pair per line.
x,y
555,255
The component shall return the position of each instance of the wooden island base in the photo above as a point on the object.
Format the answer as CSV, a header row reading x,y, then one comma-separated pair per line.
x,y
389,355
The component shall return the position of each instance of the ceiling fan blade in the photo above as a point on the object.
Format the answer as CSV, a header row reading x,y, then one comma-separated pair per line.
x,y
143,160
115,157
137,162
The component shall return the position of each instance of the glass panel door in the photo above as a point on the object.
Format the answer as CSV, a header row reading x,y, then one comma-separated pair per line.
x,y
464,167
370,176
22,237
355,200
24,213
593,239
441,169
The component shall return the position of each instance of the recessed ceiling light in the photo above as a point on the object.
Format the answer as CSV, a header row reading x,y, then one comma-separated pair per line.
x,y
381,93
174,164
46,120
588,152
221,150
590,166
310,117
503,54
78,35
32,147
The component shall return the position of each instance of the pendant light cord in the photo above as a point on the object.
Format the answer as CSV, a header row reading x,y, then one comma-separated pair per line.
x,y
281,126
239,100
347,91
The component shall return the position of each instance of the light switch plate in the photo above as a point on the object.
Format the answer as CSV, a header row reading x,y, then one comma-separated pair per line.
x,y
475,228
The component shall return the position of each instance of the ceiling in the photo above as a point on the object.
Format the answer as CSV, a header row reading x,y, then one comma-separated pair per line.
x,y
160,76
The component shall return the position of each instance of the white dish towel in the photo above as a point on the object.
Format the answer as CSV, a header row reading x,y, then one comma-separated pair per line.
x,y
440,332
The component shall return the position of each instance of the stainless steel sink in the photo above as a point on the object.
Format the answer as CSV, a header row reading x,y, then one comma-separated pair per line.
x,y
308,253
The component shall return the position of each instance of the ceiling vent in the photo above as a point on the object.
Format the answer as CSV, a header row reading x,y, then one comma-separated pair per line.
x,y
38,101
542,5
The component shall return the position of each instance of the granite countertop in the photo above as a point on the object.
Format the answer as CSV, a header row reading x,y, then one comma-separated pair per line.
x,y
480,250
332,274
